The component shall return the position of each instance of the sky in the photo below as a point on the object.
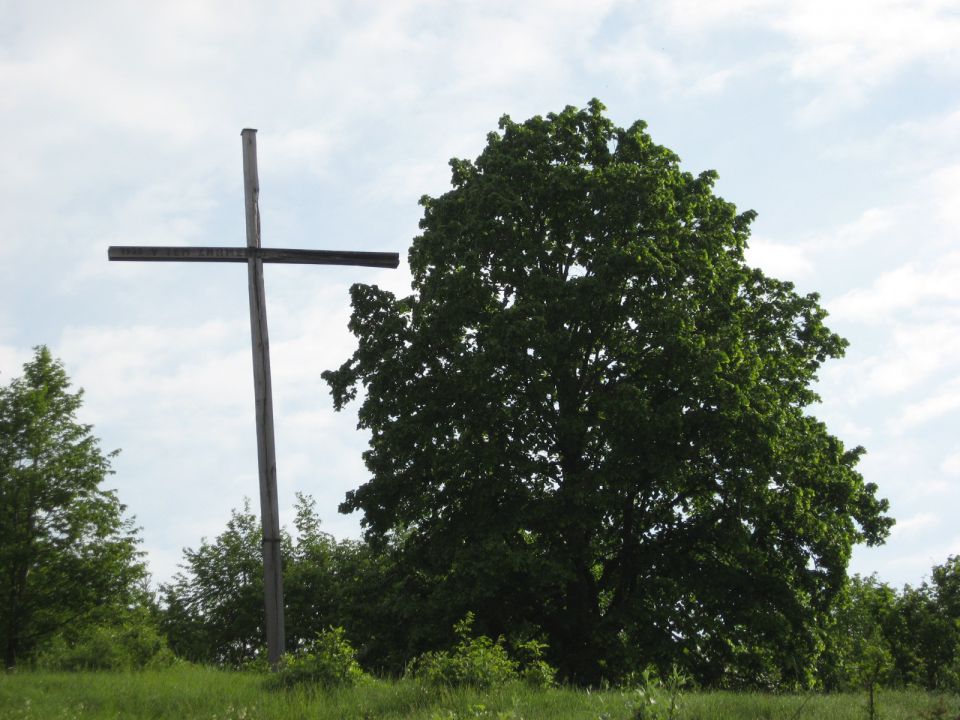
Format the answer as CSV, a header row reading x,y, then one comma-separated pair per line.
x,y
838,122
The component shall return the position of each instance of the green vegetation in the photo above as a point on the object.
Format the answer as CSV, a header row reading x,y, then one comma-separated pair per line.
x,y
131,641
913,633
592,466
590,418
213,609
188,692
327,662
482,663
68,558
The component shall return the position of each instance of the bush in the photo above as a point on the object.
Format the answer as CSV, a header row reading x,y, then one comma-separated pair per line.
x,y
132,645
328,661
656,698
482,663
475,661
534,670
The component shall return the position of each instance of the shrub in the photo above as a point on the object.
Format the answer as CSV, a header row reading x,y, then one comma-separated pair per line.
x,y
483,663
475,661
131,645
656,699
328,661
534,670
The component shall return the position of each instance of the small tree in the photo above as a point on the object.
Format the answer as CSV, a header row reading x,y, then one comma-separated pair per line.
x,y
214,606
67,555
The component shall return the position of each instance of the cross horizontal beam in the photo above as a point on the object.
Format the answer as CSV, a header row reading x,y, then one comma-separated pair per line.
x,y
244,254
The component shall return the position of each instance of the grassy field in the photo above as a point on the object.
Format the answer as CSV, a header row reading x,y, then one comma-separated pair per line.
x,y
190,692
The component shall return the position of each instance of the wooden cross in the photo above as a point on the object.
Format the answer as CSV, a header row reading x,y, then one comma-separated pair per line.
x,y
254,256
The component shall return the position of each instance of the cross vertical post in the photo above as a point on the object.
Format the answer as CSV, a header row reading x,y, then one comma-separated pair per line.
x,y
263,398
255,256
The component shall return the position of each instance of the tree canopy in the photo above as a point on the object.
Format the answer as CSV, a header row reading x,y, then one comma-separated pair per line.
x,y
213,608
67,554
590,418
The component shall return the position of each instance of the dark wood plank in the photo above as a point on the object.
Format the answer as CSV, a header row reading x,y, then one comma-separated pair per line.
x,y
143,253
180,254
263,397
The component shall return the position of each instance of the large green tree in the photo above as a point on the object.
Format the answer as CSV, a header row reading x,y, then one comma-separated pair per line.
x,y
589,419
67,554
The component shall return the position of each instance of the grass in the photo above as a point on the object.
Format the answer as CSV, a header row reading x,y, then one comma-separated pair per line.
x,y
187,692
892,705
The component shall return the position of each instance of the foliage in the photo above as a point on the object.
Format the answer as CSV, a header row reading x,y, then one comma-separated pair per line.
x,y
656,699
133,643
475,661
936,626
534,669
213,608
854,635
212,611
349,584
67,555
328,661
588,419
875,635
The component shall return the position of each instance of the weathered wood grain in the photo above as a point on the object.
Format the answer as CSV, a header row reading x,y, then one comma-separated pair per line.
x,y
147,253
263,399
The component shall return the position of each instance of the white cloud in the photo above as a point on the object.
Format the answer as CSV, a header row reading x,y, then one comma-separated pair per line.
x,y
169,369
943,400
633,60
850,49
309,147
852,432
639,62
699,18
780,259
951,464
902,289
917,524
179,401
946,195
838,52
918,147
798,260
12,360
871,224
911,563
866,41
905,358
